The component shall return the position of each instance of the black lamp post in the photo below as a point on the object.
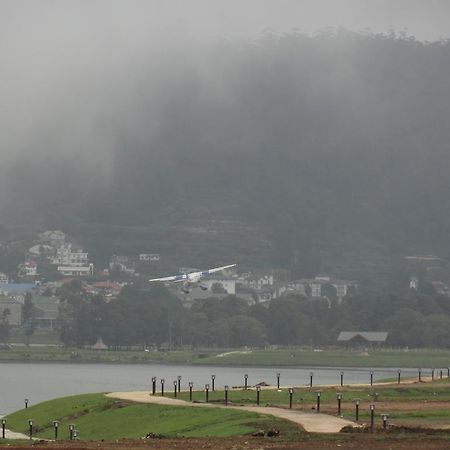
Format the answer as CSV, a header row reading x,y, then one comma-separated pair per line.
x,y
318,401
245,381
342,378
55,426
162,386
432,374
153,385
311,374
179,383
278,381
226,394
291,393
175,388
372,415
448,372
26,402
357,409
71,428
258,391
30,428
371,377
206,392
440,374
213,377
191,385
420,375
339,399
384,418
3,428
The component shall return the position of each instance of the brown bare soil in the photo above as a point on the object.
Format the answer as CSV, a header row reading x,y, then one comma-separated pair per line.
x,y
377,441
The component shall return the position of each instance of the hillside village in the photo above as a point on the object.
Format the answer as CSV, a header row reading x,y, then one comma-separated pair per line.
x,y
54,260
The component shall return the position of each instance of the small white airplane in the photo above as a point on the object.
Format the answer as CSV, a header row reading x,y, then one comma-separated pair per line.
x,y
192,278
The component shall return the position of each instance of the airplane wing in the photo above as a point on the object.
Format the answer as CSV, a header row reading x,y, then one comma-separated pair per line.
x,y
174,278
217,269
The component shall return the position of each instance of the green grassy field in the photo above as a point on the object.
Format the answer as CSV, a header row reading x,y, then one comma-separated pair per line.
x,y
257,358
98,417
331,358
61,354
405,403
307,397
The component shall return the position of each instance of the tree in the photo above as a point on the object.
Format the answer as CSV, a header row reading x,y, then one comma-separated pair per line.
x,y
4,325
247,331
28,316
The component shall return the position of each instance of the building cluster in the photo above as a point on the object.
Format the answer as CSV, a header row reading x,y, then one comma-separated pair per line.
x,y
67,261
52,261
264,287
68,258
428,269
45,304
128,265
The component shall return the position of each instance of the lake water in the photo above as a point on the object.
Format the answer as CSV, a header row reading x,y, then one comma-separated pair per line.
x,y
39,382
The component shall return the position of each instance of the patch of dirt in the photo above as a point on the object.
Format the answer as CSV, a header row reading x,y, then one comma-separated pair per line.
x,y
351,442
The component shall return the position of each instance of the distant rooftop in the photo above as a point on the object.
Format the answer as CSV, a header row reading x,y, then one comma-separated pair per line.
x,y
17,287
422,258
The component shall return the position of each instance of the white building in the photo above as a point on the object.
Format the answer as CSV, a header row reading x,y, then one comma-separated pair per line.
x,y
292,286
76,271
66,256
4,278
414,283
316,289
228,284
149,257
30,268
55,238
257,283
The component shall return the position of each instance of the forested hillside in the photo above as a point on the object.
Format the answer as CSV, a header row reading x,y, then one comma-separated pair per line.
x,y
320,154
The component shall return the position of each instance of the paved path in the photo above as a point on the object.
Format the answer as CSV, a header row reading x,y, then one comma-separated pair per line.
x,y
311,422
12,434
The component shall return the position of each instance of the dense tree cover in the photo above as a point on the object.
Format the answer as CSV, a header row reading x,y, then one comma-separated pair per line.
x,y
323,154
154,317
5,327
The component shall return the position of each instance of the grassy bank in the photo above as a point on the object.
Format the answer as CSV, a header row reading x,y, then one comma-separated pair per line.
x,y
61,354
333,358
291,357
98,417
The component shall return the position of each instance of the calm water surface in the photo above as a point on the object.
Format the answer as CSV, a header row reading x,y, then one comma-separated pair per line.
x,y
39,382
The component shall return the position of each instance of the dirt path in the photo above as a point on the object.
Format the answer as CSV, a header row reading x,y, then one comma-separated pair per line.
x,y
311,422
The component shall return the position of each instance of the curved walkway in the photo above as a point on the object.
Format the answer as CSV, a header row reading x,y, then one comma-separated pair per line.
x,y
13,435
311,422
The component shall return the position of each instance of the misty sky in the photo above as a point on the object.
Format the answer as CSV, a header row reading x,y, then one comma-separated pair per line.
x,y
66,65
424,19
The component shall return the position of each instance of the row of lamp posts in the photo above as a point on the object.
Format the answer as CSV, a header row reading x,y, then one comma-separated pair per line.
x,y
177,382
73,433
339,396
